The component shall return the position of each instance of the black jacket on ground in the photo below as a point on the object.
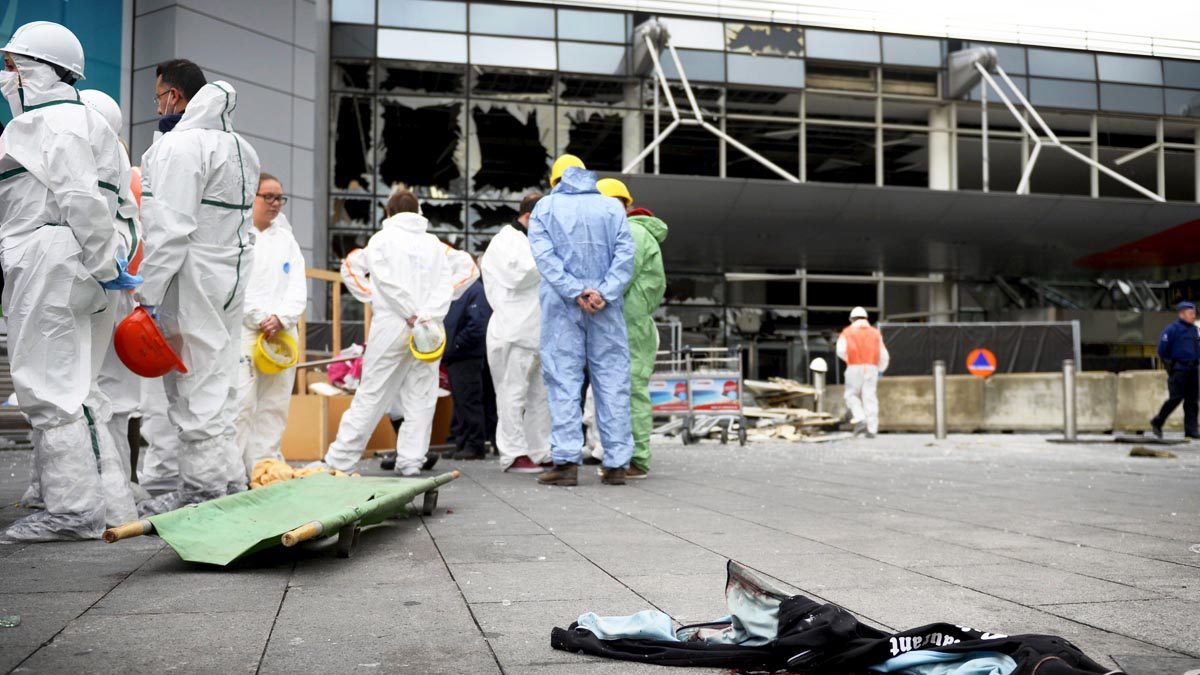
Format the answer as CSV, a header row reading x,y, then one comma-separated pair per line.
x,y
466,325
817,638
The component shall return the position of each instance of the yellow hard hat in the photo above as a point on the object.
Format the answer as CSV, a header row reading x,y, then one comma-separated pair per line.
x,y
427,333
611,187
275,355
560,166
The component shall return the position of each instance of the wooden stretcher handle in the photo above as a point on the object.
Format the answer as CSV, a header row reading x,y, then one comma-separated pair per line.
x,y
302,533
136,528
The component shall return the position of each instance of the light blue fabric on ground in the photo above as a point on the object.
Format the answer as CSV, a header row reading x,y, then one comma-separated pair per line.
x,y
649,624
930,662
580,240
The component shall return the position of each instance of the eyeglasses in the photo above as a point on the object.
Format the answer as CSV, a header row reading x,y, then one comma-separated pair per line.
x,y
273,198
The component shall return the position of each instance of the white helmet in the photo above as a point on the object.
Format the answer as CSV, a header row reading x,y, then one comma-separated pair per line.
x,y
105,105
858,313
50,42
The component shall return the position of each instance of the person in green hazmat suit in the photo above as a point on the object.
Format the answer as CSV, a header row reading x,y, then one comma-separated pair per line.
x,y
643,295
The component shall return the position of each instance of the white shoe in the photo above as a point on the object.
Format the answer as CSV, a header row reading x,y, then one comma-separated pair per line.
x,y
409,471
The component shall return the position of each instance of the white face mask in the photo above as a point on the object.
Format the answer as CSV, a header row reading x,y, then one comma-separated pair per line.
x,y
10,85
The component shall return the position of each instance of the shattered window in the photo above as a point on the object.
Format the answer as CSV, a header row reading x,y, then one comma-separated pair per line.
x,y
455,239
422,146
422,78
841,155
906,158
443,216
351,213
755,38
342,242
511,148
512,85
478,244
779,143
593,136
688,151
353,144
763,102
355,75
489,217
593,91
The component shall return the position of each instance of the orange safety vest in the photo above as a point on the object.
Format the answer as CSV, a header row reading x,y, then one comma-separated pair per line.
x,y
862,345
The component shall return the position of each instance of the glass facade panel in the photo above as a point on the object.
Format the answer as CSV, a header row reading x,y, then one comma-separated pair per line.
x,y
701,66
575,24
1062,94
426,14
1133,69
353,143
352,41
1131,98
764,39
353,11
522,21
581,57
421,78
1021,82
489,217
513,52
766,71
696,34
1055,63
412,45
842,46
353,75
511,147
1010,57
780,143
841,155
909,51
1182,73
595,136
1183,102
423,146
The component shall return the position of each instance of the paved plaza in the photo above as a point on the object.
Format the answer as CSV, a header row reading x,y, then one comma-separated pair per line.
x,y
1006,533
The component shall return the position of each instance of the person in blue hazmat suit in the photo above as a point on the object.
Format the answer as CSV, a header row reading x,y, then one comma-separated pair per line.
x,y
1179,348
584,252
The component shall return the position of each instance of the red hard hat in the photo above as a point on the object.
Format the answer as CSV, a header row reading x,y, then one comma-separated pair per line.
x,y
142,347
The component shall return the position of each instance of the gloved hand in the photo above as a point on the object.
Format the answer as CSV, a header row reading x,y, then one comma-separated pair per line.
x,y
151,310
124,281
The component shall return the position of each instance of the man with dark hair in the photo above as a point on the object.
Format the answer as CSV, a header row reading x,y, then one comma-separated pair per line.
x,y
466,327
510,280
410,290
199,182
176,82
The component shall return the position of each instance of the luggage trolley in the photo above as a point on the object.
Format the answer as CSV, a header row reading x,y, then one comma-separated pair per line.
x,y
703,388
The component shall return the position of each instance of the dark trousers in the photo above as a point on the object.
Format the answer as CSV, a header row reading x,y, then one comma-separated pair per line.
x,y
1183,385
466,385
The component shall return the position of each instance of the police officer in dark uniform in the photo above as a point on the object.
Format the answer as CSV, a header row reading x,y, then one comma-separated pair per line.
x,y
1179,348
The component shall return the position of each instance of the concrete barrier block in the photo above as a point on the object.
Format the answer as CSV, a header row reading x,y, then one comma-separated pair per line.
x,y
1034,402
906,403
1140,393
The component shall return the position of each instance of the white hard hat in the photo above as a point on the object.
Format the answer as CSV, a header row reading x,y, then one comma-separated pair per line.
x,y
105,105
858,313
50,42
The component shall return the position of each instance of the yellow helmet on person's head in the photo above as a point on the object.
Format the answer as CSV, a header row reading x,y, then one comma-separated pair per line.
x,y
611,187
560,167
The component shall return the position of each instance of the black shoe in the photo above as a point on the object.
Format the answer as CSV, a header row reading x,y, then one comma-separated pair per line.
x,y
589,460
470,454
1192,435
430,460
1156,429
562,474
613,476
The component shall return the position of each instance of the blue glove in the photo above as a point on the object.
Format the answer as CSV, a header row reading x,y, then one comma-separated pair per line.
x,y
152,311
124,281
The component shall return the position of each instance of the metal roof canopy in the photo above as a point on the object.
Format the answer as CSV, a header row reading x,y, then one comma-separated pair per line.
x,y
733,224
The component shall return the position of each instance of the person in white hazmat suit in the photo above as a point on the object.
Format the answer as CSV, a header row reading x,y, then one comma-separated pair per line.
x,y
198,185
411,288
511,282
861,347
276,296
59,177
158,462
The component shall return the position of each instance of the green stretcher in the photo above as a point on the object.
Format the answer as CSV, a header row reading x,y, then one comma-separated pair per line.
x,y
220,531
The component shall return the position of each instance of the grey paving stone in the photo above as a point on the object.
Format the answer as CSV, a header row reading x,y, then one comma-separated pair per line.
x,y
1031,584
72,566
154,643
505,548
167,585
519,632
1166,623
1156,665
517,582
42,615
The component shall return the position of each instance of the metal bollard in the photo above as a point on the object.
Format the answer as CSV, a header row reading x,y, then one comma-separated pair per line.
x,y
939,399
819,385
1069,399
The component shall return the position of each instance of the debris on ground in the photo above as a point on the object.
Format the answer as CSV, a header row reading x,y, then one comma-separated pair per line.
x,y
1143,451
10,621
784,411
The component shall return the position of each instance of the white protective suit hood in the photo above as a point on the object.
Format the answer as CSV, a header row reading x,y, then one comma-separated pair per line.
x,y
104,104
32,85
211,108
